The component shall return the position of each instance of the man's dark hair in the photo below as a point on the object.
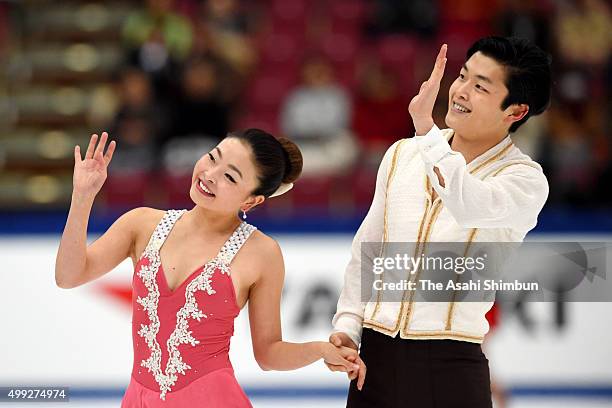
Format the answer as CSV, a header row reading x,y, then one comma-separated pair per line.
x,y
527,69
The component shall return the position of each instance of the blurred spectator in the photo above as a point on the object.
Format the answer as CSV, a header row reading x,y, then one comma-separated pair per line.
x,y
531,137
582,29
4,29
157,33
139,123
603,187
583,44
227,27
525,19
316,115
231,80
399,16
570,158
200,115
225,16
380,112
157,40
201,109
319,107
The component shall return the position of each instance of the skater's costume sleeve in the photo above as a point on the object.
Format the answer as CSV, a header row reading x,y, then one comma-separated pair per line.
x,y
513,198
349,315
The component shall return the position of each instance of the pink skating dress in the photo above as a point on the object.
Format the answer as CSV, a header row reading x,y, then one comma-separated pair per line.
x,y
182,337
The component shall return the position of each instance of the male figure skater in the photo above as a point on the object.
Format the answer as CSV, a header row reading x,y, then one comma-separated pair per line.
x,y
463,184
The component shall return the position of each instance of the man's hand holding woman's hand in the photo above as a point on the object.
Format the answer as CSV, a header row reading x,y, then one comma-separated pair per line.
x,y
348,349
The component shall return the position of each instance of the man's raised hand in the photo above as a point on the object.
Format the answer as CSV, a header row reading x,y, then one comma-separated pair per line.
x,y
421,106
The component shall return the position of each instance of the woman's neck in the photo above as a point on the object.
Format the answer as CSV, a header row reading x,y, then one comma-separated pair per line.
x,y
205,221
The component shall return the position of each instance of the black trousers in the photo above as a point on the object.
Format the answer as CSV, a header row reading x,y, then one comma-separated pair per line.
x,y
421,374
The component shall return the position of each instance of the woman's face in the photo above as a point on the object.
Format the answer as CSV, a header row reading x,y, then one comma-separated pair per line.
x,y
224,178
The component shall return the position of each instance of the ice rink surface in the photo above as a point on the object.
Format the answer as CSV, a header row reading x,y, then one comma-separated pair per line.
x,y
339,403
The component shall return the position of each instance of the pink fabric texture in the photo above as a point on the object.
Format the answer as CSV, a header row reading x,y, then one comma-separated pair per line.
x,y
181,337
218,389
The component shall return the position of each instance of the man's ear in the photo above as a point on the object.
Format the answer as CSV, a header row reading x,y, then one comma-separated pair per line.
x,y
517,112
252,202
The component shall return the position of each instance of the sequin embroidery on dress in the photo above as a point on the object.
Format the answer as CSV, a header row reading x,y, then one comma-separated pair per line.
x,y
190,309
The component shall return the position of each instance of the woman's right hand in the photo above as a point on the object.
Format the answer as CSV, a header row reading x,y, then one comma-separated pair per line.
x,y
90,173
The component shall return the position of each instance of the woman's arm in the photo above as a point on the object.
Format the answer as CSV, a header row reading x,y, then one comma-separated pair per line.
x,y
271,352
75,263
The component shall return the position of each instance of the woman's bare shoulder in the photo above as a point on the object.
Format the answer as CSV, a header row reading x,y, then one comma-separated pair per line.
x,y
262,248
261,241
261,257
145,218
143,221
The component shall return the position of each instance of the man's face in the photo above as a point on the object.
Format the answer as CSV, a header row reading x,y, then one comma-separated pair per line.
x,y
475,99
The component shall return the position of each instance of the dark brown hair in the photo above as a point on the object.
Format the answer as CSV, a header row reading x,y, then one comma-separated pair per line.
x,y
277,160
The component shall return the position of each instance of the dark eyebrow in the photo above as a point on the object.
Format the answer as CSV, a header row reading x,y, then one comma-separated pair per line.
x,y
231,166
481,77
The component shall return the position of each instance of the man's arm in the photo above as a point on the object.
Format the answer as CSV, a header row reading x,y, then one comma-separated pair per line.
x,y
513,198
349,315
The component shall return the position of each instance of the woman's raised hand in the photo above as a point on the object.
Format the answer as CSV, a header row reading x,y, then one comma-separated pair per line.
x,y
90,172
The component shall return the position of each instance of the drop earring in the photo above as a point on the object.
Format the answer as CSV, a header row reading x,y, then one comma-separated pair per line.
x,y
244,216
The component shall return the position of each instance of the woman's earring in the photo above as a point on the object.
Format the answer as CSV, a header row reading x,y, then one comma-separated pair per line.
x,y
244,215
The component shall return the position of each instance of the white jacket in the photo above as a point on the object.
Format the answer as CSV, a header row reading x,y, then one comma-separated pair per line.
x,y
495,198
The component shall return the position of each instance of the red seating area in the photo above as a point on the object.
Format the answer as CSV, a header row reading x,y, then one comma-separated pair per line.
x,y
294,30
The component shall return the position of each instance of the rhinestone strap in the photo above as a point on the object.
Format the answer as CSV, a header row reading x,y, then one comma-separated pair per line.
x,y
235,242
162,230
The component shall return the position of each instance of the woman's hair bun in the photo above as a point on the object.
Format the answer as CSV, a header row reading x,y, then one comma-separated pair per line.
x,y
294,160
277,160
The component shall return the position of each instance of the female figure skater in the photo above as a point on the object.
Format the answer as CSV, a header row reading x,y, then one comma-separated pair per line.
x,y
194,271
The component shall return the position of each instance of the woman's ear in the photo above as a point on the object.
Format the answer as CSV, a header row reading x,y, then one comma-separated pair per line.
x,y
252,202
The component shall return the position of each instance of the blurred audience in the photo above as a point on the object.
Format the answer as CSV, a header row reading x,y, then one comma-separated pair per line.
x,y
200,115
582,29
193,72
227,26
398,16
317,115
158,40
139,123
4,29
201,108
526,19
200,56
380,112
157,34
570,157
